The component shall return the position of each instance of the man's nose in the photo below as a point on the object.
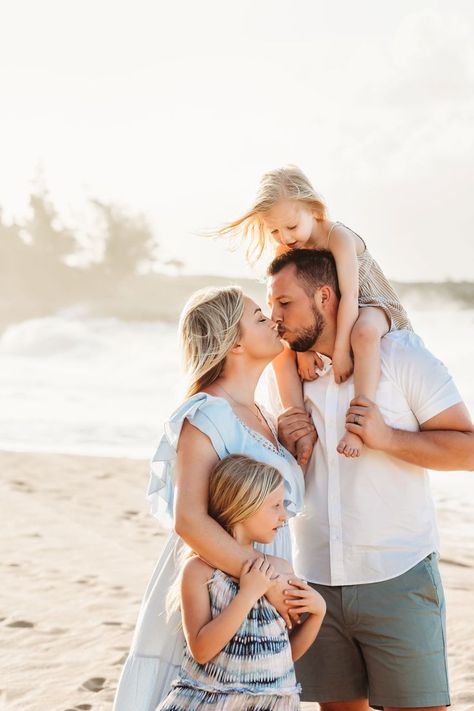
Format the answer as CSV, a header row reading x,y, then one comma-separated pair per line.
x,y
275,314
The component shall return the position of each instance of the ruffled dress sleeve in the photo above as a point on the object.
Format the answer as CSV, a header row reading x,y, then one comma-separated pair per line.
x,y
210,415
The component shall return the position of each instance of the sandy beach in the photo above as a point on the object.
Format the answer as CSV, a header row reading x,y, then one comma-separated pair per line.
x,y
78,546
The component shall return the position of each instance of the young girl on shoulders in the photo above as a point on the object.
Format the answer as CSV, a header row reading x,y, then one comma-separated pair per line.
x,y
239,655
289,214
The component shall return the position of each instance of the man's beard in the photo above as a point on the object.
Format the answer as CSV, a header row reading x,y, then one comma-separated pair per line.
x,y
308,336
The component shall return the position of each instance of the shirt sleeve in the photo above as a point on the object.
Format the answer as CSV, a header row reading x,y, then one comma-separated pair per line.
x,y
424,380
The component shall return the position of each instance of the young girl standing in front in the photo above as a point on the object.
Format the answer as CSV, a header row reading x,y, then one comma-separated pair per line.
x,y
289,213
238,655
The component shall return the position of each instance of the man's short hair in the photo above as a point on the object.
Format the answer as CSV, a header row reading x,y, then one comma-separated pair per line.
x,y
314,268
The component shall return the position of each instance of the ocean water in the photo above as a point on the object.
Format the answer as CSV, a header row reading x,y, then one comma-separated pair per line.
x,y
104,386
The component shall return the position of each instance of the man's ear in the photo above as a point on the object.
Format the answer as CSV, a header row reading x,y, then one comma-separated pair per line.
x,y
323,295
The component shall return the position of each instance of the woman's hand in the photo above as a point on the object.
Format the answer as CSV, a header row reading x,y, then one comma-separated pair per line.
x,y
307,363
304,599
342,365
256,578
276,597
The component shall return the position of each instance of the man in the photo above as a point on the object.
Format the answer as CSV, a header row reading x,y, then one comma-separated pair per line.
x,y
367,538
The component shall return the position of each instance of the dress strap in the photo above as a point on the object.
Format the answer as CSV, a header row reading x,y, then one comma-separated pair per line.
x,y
347,228
330,231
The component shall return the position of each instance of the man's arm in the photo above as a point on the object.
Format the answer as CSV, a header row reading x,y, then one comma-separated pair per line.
x,y
444,442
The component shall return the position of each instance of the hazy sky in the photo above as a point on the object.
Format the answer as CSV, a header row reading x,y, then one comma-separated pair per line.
x,y
176,108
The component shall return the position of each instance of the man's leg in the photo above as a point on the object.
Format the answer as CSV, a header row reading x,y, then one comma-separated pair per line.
x,y
332,672
417,708
400,627
357,705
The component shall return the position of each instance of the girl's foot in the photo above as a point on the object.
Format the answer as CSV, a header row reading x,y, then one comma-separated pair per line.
x,y
350,445
304,449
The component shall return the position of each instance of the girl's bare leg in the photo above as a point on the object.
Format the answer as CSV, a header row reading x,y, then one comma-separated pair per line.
x,y
290,389
366,333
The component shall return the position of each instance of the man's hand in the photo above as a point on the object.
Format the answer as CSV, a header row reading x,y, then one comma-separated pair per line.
x,y
293,424
365,419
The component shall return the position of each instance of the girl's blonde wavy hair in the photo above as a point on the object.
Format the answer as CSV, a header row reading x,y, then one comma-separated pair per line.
x,y
238,486
209,327
288,183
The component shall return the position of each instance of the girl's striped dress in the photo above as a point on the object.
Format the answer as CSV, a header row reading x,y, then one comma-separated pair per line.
x,y
254,671
376,290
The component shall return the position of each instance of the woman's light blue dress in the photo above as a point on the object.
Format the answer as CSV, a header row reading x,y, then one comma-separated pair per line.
x,y
158,644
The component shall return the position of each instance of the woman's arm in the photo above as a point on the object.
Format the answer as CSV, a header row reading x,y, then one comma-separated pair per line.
x,y
195,461
343,249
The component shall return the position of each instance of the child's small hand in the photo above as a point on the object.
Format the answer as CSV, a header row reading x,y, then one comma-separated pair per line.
x,y
307,363
342,366
305,599
256,577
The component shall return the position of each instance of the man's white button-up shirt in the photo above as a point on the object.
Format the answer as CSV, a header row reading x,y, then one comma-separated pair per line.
x,y
371,518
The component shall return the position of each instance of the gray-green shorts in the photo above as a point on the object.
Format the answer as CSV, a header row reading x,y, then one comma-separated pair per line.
x,y
382,641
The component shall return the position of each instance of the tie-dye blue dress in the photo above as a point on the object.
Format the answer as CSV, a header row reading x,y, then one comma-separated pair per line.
x,y
254,671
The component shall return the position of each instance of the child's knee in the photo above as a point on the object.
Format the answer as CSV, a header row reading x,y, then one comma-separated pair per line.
x,y
364,334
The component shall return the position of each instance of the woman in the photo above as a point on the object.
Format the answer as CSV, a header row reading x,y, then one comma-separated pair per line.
x,y
227,342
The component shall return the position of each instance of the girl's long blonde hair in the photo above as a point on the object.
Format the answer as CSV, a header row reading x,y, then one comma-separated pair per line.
x,y
238,486
209,327
288,182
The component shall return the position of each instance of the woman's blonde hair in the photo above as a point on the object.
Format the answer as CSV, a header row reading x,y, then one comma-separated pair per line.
x,y
238,486
209,327
289,183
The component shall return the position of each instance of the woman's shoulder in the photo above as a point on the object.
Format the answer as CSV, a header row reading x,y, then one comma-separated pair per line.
x,y
208,413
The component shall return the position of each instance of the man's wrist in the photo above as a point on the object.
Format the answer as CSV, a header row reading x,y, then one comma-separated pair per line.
x,y
389,441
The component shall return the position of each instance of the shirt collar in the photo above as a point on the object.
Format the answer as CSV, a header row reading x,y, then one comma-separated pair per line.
x,y
327,365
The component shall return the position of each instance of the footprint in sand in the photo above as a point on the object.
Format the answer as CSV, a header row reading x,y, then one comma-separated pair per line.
x,y
94,684
121,660
20,623
130,514
22,486
86,580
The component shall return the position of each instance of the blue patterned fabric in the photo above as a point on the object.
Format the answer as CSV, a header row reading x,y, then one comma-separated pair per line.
x,y
254,669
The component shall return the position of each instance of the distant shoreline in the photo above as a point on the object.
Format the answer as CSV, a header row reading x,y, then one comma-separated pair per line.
x,y
161,297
